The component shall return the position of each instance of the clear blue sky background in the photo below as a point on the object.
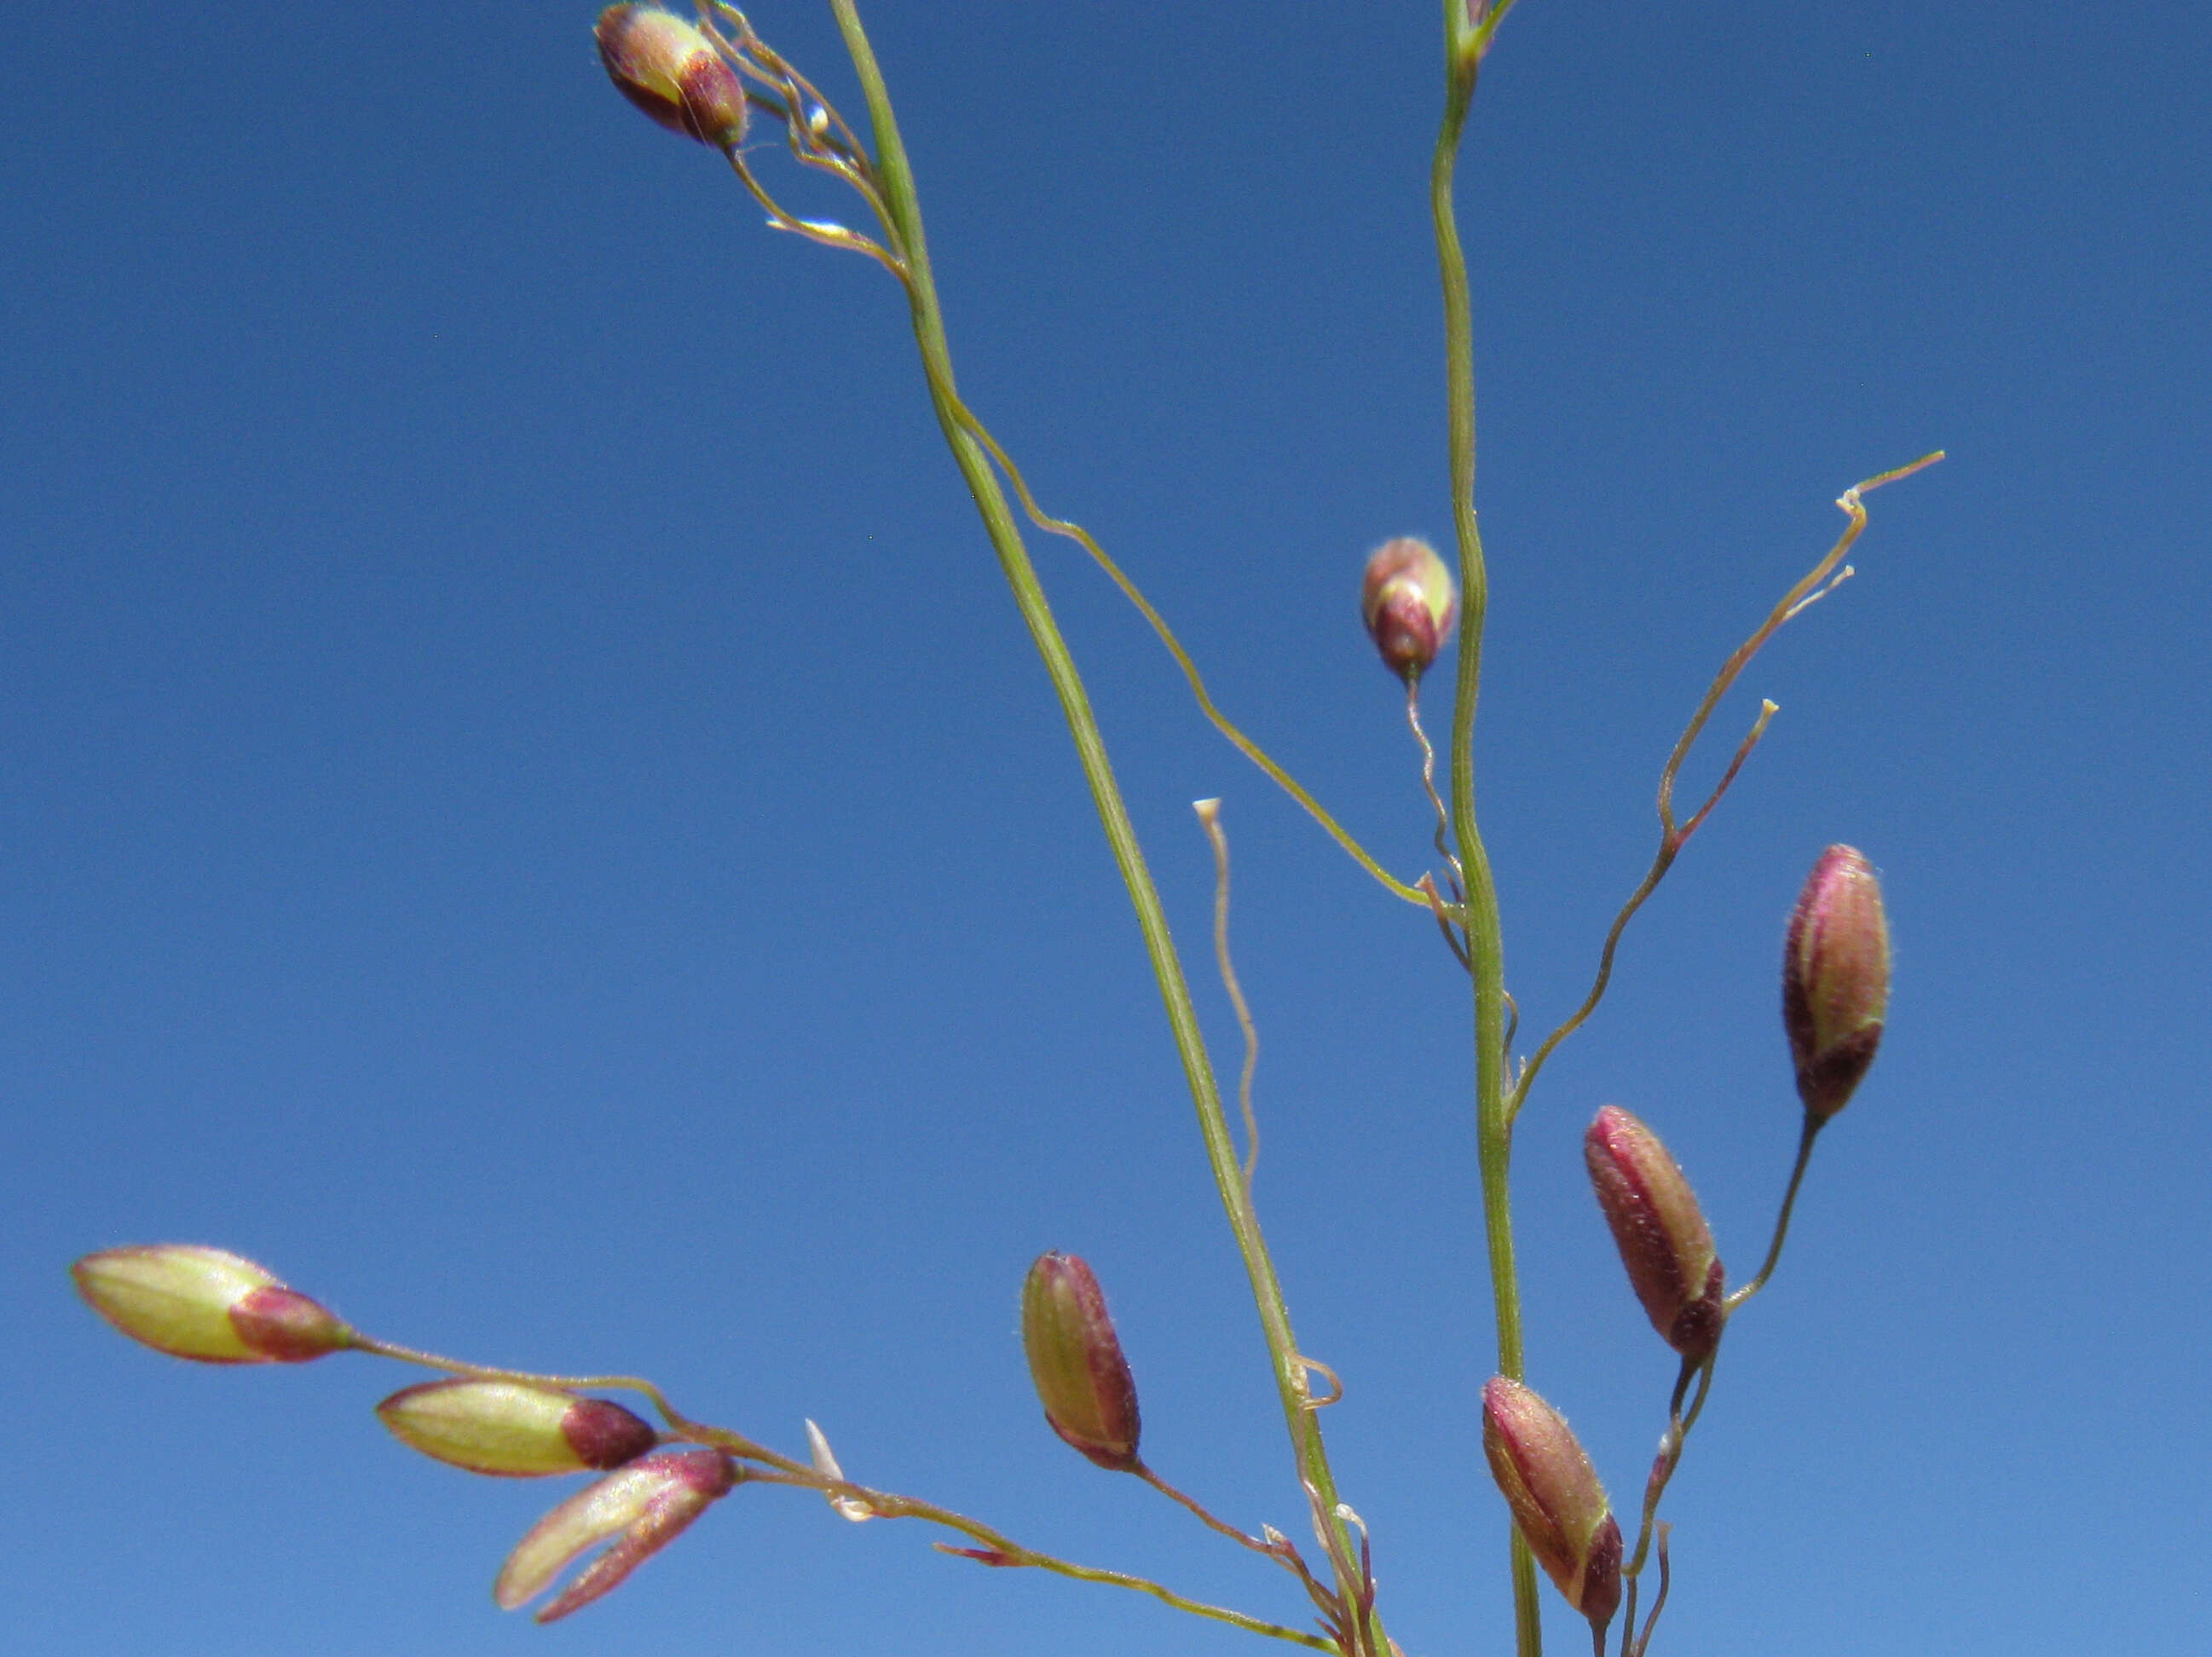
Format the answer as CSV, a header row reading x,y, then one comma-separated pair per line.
x,y
525,805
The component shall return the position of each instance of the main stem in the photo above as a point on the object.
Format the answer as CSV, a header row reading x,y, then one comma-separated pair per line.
x,y
904,209
1485,944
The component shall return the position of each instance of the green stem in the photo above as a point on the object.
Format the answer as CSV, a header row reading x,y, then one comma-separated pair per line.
x,y
1811,587
1001,1549
1243,744
1485,946
904,211
1198,1510
1805,1137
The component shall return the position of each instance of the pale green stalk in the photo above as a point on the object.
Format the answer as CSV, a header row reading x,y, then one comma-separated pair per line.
x,y
1464,41
904,213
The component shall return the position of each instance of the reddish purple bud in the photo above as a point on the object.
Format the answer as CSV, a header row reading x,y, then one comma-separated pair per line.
x,y
207,1305
514,1430
1557,1501
671,70
1089,1395
1835,979
640,1509
1660,1231
605,1436
1408,602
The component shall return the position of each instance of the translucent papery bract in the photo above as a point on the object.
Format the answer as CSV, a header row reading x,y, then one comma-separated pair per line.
x,y
206,1304
641,1509
825,1463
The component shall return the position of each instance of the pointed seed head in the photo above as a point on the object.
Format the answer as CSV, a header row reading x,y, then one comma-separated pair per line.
x,y
1556,1499
1661,1232
1089,1395
1407,600
1835,979
206,1304
670,69
513,1430
640,1509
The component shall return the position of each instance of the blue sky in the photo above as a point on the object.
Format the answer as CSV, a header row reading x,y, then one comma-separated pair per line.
x,y
525,806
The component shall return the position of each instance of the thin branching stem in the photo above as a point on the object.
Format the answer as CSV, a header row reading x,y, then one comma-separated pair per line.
x,y
1671,1445
752,53
1659,1601
1443,836
1209,816
1672,834
1488,27
1001,1549
1221,1527
1242,744
817,136
1680,1421
1446,915
819,230
974,462
1286,1553
1670,846
1811,1130
1447,923
1167,1596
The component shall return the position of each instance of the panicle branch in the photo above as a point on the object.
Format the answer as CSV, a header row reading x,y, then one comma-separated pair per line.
x,y
1673,835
